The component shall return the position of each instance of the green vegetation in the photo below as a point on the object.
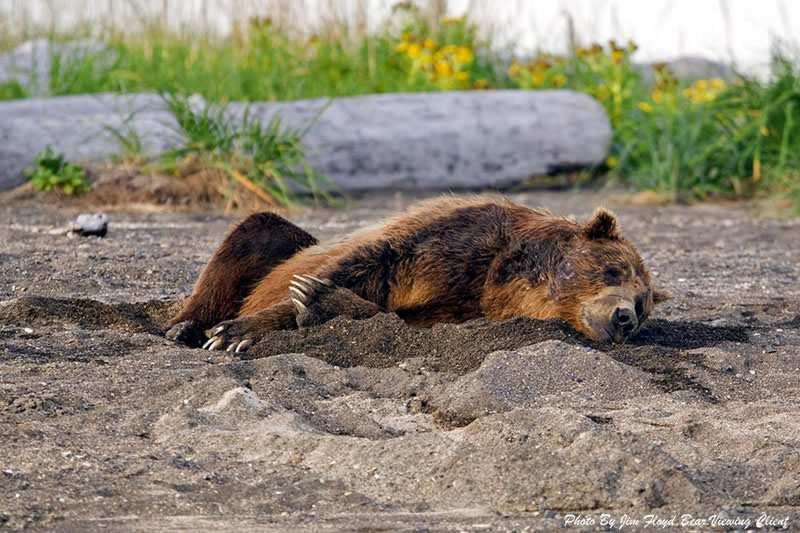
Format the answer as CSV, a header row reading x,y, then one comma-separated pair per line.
x,y
51,172
690,139
11,90
267,157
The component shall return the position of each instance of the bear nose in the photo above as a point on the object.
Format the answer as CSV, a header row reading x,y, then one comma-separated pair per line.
x,y
624,320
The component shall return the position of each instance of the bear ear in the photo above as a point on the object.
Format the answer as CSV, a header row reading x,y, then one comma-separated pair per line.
x,y
660,295
602,225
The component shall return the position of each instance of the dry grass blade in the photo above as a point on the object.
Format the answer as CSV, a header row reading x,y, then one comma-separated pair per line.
x,y
261,193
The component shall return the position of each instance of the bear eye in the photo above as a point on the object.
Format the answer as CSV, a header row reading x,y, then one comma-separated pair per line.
x,y
612,275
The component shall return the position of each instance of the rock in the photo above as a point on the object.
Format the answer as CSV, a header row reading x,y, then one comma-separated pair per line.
x,y
448,140
91,224
31,62
690,68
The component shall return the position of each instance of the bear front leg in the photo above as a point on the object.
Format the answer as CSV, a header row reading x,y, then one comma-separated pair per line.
x,y
318,301
238,334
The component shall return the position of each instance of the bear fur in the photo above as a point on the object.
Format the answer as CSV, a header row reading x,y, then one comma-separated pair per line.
x,y
449,259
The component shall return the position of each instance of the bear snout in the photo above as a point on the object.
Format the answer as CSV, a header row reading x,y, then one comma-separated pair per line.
x,y
624,321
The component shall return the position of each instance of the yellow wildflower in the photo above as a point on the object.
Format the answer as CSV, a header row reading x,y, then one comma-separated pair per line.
x,y
430,43
701,84
464,55
611,162
414,50
481,84
695,95
717,83
462,76
443,68
426,59
765,131
452,20
644,106
559,80
618,55
514,69
658,96
538,78
541,64
402,47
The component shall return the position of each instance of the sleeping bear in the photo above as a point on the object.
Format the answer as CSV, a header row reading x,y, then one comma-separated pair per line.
x,y
449,259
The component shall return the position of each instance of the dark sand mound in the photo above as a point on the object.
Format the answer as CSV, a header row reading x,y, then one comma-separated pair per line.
x,y
375,425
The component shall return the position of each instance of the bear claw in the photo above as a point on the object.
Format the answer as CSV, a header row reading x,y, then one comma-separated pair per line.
x,y
300,306
238,347
213,343
243,346
305,280
303,287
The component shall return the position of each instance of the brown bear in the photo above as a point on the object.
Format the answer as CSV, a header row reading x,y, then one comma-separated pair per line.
x,y
450,259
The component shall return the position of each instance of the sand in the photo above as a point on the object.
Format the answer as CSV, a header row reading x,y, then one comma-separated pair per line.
x,y
366,425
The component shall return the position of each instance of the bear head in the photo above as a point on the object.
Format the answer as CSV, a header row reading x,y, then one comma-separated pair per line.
x,y
600,283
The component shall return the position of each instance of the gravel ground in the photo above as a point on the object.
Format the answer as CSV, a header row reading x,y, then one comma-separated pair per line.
x,y
365,425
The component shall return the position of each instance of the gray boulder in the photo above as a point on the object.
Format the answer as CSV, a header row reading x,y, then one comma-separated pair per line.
x,y
690,68
448,140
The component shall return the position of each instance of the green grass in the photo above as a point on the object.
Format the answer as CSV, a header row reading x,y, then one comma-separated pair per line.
x,y
741,143
269,156
690,140
266,62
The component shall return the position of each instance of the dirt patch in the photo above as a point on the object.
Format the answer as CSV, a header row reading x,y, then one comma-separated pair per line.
x,y
124,185
149,317
374,424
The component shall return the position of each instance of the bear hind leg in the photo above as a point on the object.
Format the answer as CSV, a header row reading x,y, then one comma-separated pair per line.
x,y
249,252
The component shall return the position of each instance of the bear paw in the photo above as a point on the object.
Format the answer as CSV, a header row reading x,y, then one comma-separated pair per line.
x,y
309,293
187,332
232,335
317,301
